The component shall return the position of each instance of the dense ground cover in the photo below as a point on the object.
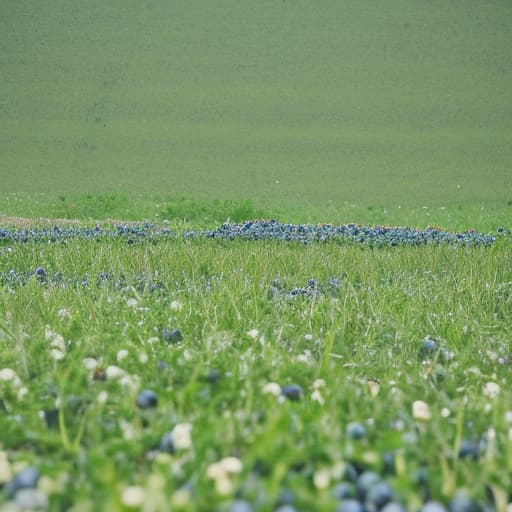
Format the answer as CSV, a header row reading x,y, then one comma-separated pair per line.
x,y
281,373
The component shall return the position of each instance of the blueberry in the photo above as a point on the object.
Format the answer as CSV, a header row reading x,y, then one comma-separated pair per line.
x,y
51,417
286,497
355,430
469,449
388,466
393,506
26,479
462,503
147,399
378,495
365,482
162,365
292,391
433,506
350,506
344,490
172,335
428,347
241,506
166,443
40,272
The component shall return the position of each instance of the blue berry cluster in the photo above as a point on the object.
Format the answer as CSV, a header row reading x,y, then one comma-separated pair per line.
x,y
261,230
366,235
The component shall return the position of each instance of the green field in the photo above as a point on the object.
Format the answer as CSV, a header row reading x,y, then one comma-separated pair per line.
x,y
311,108
183,373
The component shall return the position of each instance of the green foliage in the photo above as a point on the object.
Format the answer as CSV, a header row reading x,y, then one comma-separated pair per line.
x,y
366,329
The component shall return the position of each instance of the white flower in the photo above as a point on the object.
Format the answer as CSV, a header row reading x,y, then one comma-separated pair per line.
x,y
176,305
317,397
132,303
308,337
9,375
421,411
102,397
64,313
181,436
90,363
319,383
272,388
445,412
143,358
5,468
253,333
224,485
322,478
508,417
56,354
133,496
114,372
122,354
492,390
231,465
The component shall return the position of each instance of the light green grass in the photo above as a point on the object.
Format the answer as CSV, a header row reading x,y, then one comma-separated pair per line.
x,y
370,328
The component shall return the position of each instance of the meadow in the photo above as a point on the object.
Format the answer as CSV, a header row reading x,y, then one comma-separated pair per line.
x,y
160,351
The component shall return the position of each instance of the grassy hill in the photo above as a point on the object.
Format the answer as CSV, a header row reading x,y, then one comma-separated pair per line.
x,y
297,105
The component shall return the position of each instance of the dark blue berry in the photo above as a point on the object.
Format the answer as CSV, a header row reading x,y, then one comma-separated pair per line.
x,y
292,391
147,399
344,490
241,506
461,502
433,506
469,449
172,335
365,482
350,506
355,430
26,479
378,495
166,443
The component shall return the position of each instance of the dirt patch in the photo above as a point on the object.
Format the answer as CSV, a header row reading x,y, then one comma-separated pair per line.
x,y
40,222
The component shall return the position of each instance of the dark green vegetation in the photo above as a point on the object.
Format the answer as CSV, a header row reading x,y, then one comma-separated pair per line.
x,y
301,106
208,326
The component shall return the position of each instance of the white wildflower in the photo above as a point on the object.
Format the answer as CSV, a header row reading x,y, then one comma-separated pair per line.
x,y
492,390
56,354
319,383
445,412
308,337
322,478
102,397
231,465
90,363
253,333
272,388
5,468
181,436
130,381
133,496
64,313
316,396
114,372
508,417
224,485
421,411
176,305
143,358
132,303
122,354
